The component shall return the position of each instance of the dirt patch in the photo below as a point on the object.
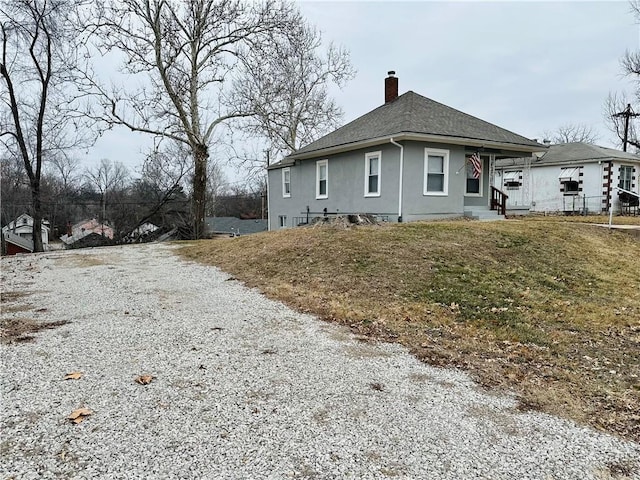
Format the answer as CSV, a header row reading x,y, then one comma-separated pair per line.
x,y
80,261
8,297
20,330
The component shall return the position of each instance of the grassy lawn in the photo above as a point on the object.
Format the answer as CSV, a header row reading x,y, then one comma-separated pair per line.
x,y
548,308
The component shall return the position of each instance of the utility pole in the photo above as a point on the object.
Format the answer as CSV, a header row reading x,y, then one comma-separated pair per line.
x,y
627,113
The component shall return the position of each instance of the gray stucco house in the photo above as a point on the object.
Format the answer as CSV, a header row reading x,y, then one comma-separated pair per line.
x,y
407,160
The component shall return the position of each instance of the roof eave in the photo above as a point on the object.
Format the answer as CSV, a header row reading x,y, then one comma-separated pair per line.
x,y
556,163
472,142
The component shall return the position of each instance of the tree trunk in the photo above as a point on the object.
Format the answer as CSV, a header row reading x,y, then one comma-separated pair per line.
x,y
201,155
37,217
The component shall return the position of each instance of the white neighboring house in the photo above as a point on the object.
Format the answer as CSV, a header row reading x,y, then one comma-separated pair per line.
x,y
20,231
572,178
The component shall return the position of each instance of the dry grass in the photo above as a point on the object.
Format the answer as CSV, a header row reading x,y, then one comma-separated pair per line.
x,y
544,307
594,219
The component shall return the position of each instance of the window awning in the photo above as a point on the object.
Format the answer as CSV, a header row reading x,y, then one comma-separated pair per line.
x,y
571,174
512,176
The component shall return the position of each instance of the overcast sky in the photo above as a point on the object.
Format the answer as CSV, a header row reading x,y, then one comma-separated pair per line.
x,y
524,66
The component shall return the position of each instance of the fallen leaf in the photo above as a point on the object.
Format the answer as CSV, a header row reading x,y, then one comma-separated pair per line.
x,y
73,376
79,415
144,379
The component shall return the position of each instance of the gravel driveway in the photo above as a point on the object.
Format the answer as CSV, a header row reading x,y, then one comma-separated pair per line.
x,y
245,388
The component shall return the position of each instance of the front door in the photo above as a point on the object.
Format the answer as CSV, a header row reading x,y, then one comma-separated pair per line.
x,y
474,175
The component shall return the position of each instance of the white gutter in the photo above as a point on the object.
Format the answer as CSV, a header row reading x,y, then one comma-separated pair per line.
x,y
400,180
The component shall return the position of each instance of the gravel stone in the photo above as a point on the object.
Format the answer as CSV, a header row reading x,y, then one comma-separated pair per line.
x,y
245,388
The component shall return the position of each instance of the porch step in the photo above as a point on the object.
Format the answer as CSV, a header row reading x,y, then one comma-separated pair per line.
x,y
483,214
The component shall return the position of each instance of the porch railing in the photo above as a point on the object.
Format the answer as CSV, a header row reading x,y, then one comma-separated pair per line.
x,y
499,200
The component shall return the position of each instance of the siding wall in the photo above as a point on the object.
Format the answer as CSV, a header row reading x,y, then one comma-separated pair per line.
x,y
541,187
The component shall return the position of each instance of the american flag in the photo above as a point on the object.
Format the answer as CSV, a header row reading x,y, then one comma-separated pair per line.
x,y
476,161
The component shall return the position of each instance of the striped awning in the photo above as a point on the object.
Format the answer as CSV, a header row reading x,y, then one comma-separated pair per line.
x,y
512,176
571,174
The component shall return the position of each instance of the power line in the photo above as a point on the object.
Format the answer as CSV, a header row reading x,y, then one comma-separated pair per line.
x,y
627,113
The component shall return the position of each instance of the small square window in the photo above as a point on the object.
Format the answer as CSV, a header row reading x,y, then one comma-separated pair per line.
x,y
571,187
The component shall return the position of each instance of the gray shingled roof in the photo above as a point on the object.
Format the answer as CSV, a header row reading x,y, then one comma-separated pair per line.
x,y
572,153
235,225
413,113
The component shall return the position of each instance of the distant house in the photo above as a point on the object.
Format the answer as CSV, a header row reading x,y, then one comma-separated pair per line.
x,y
233,226
142,232
88,233
18,235
410,159
572,178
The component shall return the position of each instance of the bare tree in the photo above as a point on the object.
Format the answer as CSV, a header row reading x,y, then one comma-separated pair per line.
x,y
620,116
618,108
164,175
289,89
572,132
14,188
66,168
188,51
107,177
216,182
39,60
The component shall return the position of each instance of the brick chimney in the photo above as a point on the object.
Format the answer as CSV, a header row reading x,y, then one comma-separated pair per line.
x,y
390,87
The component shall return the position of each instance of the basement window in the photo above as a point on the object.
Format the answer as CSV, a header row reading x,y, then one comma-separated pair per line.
x,y
282,221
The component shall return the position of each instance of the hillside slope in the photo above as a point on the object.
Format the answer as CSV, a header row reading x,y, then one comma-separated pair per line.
x,y
548,309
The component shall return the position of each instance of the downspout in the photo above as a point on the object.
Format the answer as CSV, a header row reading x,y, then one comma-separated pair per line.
x,y
400,179
267,193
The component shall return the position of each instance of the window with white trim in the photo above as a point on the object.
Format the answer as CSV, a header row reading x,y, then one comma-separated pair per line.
x,y
372,164
626,177
286,182
322,179
436,172
282,221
